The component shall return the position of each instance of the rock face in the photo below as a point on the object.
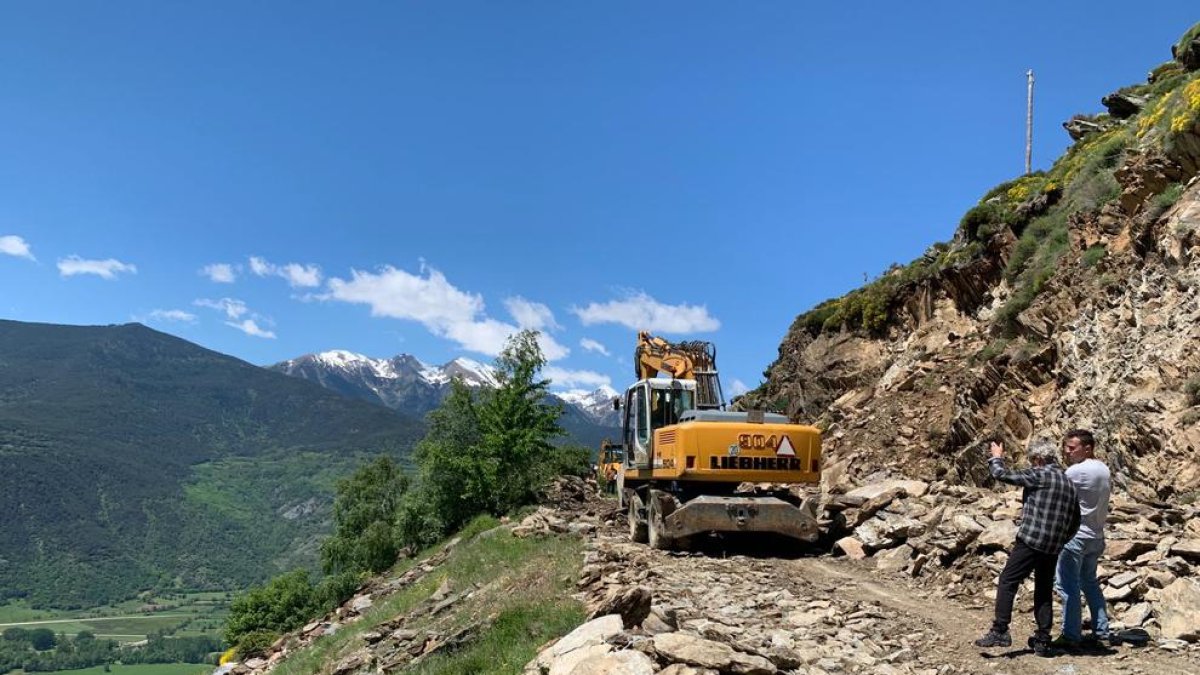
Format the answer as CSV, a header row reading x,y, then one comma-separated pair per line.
x,y
1109,347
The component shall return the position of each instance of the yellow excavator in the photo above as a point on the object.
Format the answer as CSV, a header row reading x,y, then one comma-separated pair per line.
x,y
685,456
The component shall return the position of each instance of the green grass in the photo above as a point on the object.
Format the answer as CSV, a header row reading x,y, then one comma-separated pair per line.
x,y
185,614
144,669
511,641
525,583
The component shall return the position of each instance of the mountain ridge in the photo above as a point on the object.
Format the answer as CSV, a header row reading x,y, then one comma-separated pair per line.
x,y
135,459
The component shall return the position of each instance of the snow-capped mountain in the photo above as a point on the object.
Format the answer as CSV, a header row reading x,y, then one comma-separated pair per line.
x,y
407,384
595,404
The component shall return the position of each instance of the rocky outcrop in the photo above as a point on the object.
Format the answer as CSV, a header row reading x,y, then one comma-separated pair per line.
x,y
1081,126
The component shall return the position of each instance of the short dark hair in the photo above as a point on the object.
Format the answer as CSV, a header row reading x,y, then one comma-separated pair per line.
x,y
1085,437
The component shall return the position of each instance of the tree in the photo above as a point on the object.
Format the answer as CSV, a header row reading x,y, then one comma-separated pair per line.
x,y
364,513
42,639
517,424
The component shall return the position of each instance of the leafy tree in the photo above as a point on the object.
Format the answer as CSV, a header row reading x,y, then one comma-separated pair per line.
x,y
518,424
16,635
363,514
487,451
456,477
42,639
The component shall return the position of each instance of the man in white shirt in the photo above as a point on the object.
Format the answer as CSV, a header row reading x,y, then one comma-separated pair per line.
x,y
1078,560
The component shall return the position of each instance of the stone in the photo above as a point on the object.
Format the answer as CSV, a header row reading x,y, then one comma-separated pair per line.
x,y
566,663
999,534
361,603
256,663
895,560
1188,549
1123,579
632,604
852,547
1126,549
1179,610
617,663
594,632
681,669
1137,614
697,651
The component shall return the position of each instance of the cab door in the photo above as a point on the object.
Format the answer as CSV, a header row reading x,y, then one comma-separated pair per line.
x,y
638,438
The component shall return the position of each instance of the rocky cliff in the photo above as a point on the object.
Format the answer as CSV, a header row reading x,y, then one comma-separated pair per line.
x,y
1069,298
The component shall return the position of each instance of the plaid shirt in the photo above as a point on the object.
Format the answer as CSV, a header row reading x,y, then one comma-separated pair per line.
x,y
1050,515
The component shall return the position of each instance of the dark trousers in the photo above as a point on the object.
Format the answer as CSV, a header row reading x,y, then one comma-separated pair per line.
x,y
1021,562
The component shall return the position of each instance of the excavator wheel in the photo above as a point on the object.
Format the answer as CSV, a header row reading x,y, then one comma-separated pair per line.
x,y
656,528
637,527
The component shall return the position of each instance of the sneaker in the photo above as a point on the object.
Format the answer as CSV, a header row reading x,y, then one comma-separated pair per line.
x,y
1040,646
994,639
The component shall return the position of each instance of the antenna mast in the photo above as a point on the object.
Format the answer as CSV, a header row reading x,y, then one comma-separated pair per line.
x,y
1029,125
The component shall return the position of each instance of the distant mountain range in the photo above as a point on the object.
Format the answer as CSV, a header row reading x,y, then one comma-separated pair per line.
x,y
131,459
407,384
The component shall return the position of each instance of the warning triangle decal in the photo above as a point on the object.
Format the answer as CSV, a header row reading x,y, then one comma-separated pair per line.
x,y
785,449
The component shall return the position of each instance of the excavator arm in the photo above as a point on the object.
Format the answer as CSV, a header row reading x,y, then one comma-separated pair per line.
x,y
694,360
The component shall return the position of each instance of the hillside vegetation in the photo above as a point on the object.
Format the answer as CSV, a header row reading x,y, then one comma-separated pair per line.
x,y
132,460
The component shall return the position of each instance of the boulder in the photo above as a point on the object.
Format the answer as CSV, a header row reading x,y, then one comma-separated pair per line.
x,y
1126,549
617,663
696,651
895,560
852,547
594,632
1179,610
632,604
999,534
1188,548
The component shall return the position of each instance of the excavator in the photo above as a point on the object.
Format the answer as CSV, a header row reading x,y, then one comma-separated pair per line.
x,y
685,456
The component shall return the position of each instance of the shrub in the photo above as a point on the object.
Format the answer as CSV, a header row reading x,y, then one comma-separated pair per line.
x,y
1167,198
1094,254
1192,389
255,643
1190,417
992,350
284,603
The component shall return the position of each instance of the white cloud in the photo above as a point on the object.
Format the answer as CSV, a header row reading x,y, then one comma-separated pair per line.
x,y
11,244
297,275
172,315
107,269
639,311
531,315
221,273
234,311
562,377
232,307
250,327
737,388
431,300
593,346
260,267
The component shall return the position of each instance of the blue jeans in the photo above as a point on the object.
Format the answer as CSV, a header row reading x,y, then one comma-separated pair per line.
x,y
1077,572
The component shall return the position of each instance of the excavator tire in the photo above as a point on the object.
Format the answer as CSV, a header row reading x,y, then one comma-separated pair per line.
x,y
638,531
656,528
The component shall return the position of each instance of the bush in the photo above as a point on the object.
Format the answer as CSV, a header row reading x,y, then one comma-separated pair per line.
x,y
1094,254
283,604
1192,389
255,643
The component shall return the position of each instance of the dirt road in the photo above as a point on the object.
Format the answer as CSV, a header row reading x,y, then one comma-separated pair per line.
x,y
819,614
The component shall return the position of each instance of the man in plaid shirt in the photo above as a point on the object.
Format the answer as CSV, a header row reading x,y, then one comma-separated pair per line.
x,y
1049,518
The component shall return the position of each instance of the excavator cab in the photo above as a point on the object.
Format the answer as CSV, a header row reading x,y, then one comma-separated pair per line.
x,y
650,405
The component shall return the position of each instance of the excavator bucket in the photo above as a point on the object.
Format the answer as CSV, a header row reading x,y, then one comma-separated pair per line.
x,y
742,514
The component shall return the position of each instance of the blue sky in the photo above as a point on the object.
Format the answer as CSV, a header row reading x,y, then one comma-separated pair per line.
x,y
270,179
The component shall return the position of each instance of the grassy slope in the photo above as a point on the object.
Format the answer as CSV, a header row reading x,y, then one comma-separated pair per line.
x,y
526,588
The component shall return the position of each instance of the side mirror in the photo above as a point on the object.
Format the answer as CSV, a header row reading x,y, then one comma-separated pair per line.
x,y
616,402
